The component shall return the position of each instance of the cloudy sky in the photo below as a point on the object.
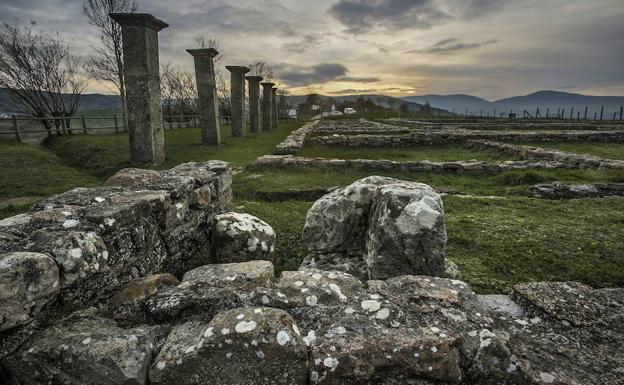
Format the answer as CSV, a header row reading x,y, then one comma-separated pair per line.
x,y
489,48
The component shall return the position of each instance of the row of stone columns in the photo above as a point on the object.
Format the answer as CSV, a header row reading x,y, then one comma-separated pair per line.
x,y
142,75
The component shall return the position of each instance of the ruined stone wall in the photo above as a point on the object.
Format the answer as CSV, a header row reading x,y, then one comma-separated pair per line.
x,y
539,153
436,137
358,311
82,245
288,161
294,142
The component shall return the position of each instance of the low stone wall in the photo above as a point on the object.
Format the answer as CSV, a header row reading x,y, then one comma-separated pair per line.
x,y
436,137
540,153
287,161
82,245
237,323
294,142
499,124
559,190
354,127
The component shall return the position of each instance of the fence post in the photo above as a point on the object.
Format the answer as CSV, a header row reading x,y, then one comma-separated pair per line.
x,y
18,134
84,124
621,111
571,113
601,112
63,124
116,124
585,117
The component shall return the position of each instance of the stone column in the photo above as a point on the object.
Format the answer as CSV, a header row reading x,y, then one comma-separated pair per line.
x,y
274,122
207,101
142,76
254,102
267,105
237,99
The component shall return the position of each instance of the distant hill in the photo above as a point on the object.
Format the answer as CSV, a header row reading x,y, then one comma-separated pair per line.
x,y
543,100
88,102
381,100
459,102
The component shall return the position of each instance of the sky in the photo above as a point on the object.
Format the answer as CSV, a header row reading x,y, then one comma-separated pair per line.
x,y
487,48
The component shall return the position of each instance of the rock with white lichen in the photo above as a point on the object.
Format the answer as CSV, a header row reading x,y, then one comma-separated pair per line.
x,y
28,281
378,227
246,346
86,351
242,237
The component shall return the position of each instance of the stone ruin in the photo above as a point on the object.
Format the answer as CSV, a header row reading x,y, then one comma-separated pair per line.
x,y
152,280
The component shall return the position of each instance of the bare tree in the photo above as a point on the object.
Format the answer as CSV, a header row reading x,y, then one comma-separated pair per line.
x,y
261,68
107,62
40,74
178,92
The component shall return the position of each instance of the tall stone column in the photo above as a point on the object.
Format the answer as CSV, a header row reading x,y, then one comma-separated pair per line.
x,y
267,105
254,102
207,101
142,75
237,99
274,122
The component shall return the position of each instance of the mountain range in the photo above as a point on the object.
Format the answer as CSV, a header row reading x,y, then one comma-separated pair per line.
x,y
459,103
551,100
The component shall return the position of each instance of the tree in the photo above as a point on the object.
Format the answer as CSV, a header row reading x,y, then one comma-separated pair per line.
x,y
40,74
261,68
107,62
178,92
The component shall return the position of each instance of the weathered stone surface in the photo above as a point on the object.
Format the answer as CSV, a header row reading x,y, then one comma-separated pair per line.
x,y
397,227
289,161
559,190
294,142
144,288
86,351
207,98
247,346
539,153
317,287
237,99
245,275
28,281
102,239
243,237
268,114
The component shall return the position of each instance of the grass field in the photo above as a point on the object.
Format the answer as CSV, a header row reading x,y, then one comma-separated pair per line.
x,y
496,241
603,150
438,153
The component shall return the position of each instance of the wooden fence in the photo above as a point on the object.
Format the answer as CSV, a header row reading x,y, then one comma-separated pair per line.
x,y
22,126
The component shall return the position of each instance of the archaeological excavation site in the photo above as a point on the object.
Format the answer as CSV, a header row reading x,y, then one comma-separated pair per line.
x,y
221,223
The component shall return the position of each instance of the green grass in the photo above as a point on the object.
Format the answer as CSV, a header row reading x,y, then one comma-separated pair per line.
x,y
500,242
30,172
496,241
248,183
103,155
438,153
603,150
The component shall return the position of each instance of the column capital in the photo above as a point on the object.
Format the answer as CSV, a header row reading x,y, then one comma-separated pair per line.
x,y
203,52
242,69
139,20
267,84
254,78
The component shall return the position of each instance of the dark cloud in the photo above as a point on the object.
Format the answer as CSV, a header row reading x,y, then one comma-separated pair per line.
x,y
365,15
296,76
451,45
370,90
304,44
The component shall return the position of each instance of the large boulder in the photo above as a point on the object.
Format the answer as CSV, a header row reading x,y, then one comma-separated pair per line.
x,y
86,351
378,228
246,346
242,238
28,281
